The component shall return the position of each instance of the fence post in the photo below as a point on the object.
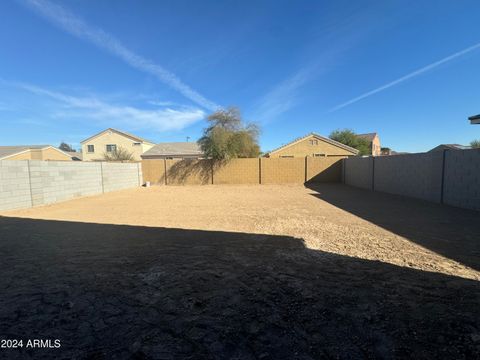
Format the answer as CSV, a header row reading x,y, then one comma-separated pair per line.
x,y
101,175
211,168
30,182
443,176
165,170
373,173
306,168
260,170
138,174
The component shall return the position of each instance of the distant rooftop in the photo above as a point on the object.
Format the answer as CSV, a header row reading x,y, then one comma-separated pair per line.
x,y
475,119
174,149
367,136
11,150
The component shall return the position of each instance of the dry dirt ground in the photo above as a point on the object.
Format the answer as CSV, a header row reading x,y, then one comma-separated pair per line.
x,y
242,272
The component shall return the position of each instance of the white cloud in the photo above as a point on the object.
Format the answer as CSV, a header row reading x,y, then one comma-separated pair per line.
x,y
161,119
72,24
281,98
407,77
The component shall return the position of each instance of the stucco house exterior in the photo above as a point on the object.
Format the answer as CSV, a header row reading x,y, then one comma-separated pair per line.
x,y
374,139
106,141
312,145
34,152
174,150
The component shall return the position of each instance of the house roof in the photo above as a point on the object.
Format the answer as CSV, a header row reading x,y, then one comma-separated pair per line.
x,y
124,133
328,140
174,148
475,119
367,136
75,154
7,151
451,147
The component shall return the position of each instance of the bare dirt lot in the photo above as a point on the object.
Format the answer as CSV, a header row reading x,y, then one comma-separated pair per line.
x,y
242,272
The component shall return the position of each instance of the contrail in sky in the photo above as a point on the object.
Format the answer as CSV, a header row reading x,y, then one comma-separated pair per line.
x,y
72,24
408,76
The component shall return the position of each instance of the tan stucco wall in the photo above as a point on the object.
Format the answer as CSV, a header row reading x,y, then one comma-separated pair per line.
x,y
376,148
23,156
304,148
39,154
112,138
52,154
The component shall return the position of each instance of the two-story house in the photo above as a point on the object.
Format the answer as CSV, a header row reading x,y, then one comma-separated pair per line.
x,y
107,141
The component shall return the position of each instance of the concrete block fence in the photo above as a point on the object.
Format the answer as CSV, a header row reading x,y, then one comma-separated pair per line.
x,y
243,171
449,177
29,183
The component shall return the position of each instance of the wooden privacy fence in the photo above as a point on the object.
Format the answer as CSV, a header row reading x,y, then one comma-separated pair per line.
x,y
243,171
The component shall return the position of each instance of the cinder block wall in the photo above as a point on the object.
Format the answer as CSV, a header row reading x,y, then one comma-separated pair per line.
x,y
282,170
153,170
118,176
358,172
188,172
14,185
54,181
462,179
414,175
30,183
243,171
324,169
238,171
451,177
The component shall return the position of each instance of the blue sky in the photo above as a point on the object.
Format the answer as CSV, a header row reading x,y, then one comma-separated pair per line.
x,y
408,70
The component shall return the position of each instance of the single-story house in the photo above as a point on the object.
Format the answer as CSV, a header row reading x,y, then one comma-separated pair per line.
x,y
312,145
374,140
475,119
109,140
174,150
442,147
33,152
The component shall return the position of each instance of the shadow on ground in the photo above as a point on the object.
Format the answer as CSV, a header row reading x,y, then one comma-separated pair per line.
x,y
113,291
449,231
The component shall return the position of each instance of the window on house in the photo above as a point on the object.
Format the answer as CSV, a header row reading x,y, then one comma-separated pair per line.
x,y
318,155
90,148
286,156
111,148
136,144
313,142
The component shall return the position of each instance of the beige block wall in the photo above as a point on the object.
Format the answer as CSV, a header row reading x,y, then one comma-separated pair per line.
x,y
282,171
324,169
112,138
154,171
243,171
304,148
188,172
238,171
